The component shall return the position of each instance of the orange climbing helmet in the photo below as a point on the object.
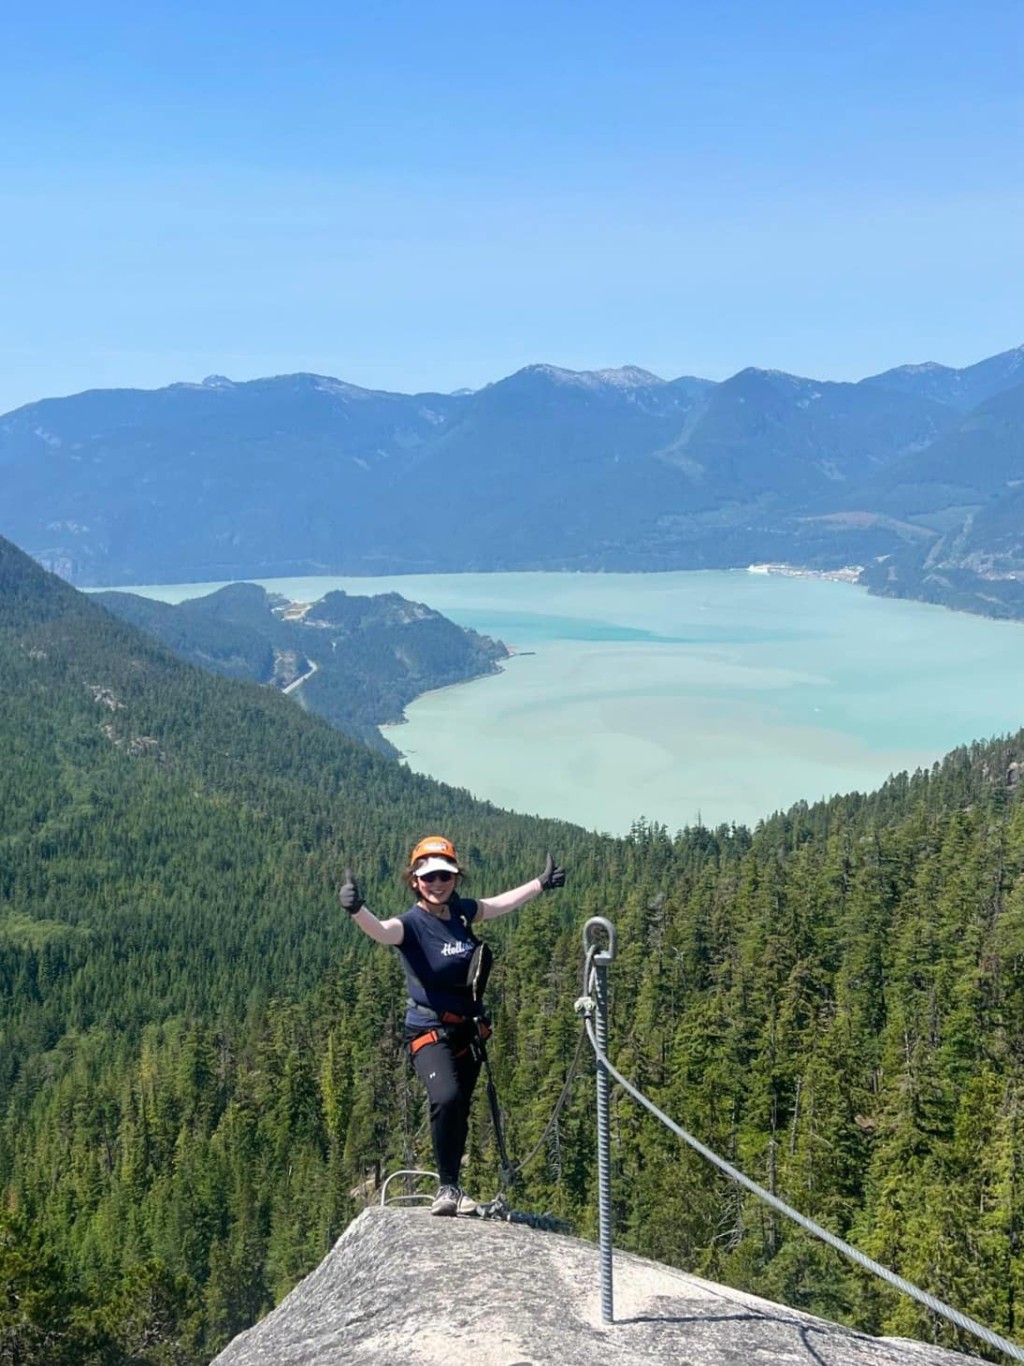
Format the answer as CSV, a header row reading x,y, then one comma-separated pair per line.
x,y
435,847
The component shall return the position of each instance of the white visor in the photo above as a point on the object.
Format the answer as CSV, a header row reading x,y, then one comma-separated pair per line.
x,y
435,865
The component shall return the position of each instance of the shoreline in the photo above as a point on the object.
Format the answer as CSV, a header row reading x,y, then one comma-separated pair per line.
x,y
444,687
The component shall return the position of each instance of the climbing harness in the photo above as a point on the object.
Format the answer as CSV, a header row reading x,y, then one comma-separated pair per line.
x,y
448,1029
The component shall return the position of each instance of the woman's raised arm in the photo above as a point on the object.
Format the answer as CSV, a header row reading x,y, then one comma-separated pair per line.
x,y
492,906
384,931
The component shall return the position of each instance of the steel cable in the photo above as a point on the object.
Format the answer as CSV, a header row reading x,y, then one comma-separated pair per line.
x,y
954,1315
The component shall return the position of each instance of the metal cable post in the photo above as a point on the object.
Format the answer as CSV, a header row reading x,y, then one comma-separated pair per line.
x,y
596,971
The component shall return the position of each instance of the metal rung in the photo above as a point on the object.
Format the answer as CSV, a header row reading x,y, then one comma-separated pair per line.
x,y
407,1199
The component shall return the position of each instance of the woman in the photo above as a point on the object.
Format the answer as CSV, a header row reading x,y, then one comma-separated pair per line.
x,y
439,952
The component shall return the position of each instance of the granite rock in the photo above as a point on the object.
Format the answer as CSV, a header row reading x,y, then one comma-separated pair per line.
x,y
400,1288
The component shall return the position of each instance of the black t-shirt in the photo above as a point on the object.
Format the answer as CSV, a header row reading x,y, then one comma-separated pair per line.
x,y
436,955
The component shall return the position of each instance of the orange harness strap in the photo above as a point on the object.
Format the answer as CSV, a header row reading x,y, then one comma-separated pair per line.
x,y
421,1040
436,1035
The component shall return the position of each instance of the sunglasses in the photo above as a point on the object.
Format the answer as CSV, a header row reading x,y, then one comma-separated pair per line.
x,y
435,877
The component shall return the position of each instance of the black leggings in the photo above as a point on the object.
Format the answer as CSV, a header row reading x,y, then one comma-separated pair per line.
x,y
450,1081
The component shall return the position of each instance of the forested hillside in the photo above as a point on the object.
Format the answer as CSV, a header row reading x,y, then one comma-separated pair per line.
x,y
199,1060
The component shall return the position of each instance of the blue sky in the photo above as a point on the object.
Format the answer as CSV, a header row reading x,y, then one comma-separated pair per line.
x,y
421,196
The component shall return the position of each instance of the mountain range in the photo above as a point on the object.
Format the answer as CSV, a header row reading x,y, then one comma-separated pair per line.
x,y
919,469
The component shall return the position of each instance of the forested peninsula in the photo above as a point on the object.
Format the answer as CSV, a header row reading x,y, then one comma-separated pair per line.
x,y
200,1062
358,661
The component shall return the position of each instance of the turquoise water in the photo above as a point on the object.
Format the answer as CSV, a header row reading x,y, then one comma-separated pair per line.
x,y
685,696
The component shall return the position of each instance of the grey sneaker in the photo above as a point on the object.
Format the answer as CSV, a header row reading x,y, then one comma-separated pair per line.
x,y
446,1201
466,1205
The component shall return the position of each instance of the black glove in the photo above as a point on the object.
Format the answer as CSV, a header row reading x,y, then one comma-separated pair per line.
x,y
551,876
348,894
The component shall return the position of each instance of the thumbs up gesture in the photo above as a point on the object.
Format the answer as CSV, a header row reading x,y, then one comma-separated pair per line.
x,y
348,894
